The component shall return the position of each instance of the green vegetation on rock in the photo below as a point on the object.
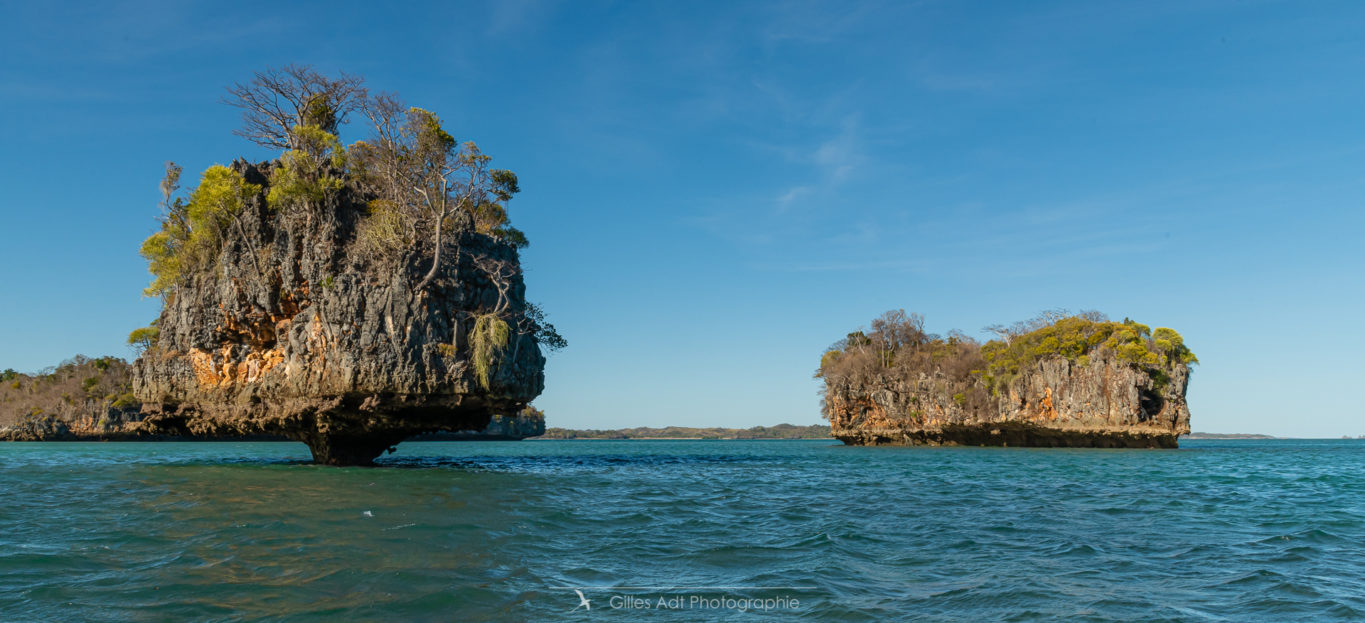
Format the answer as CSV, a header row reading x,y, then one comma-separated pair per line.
x,y
488,335
192,231
414,175
309,172
416,186
972,374
145,338
1076,338
393,254
82,395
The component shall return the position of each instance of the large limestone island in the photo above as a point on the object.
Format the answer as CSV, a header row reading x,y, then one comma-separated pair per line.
x,y
348,297
1058,380
85,399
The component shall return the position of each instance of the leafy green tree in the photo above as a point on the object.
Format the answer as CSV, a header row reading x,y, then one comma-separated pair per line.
x,y
310,172
145,338
192,231
543,332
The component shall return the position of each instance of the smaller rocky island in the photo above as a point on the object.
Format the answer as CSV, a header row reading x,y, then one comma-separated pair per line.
x,y
1059,380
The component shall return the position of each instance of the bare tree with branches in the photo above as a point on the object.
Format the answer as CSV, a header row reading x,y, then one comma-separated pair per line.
x,y
277,100
501,273
1007,333
170,183
419,169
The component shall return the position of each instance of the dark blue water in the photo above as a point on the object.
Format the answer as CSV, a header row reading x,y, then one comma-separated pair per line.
x,y
1216,531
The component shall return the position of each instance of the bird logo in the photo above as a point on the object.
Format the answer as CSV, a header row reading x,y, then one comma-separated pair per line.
x,y
582,601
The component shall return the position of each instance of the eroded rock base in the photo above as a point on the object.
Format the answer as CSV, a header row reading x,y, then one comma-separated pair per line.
x,y
1008,434
349,450
338,430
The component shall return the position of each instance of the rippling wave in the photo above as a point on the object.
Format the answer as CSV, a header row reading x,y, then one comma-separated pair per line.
x,y
1216,531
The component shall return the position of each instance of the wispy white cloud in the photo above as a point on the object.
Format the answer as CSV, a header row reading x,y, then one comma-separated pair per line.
x,y
511,16
131,32
38,91
837,157
818,22
794,193
915,266
828,165
948,81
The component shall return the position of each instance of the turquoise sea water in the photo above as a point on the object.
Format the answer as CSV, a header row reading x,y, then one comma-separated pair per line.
x,y
678,531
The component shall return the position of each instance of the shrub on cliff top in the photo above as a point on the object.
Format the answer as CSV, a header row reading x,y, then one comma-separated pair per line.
x,y
192,231
1073,337
405,196
412,174
310,171
423,180
897,348
1077,337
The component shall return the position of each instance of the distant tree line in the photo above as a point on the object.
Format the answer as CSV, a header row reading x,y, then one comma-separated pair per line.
x,y
79,393
780,431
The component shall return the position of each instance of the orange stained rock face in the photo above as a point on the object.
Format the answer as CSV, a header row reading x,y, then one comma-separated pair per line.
x,y
1049,410
258,329
843,412
221,369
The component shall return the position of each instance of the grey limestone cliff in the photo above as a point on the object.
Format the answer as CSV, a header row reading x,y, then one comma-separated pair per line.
x,y
292,332
1105,402
1053,381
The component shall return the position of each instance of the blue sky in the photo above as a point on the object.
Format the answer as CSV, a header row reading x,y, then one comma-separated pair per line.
x,y
716,191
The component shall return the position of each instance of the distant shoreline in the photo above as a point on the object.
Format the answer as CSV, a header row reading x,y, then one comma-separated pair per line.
x,y
780,431
679,439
